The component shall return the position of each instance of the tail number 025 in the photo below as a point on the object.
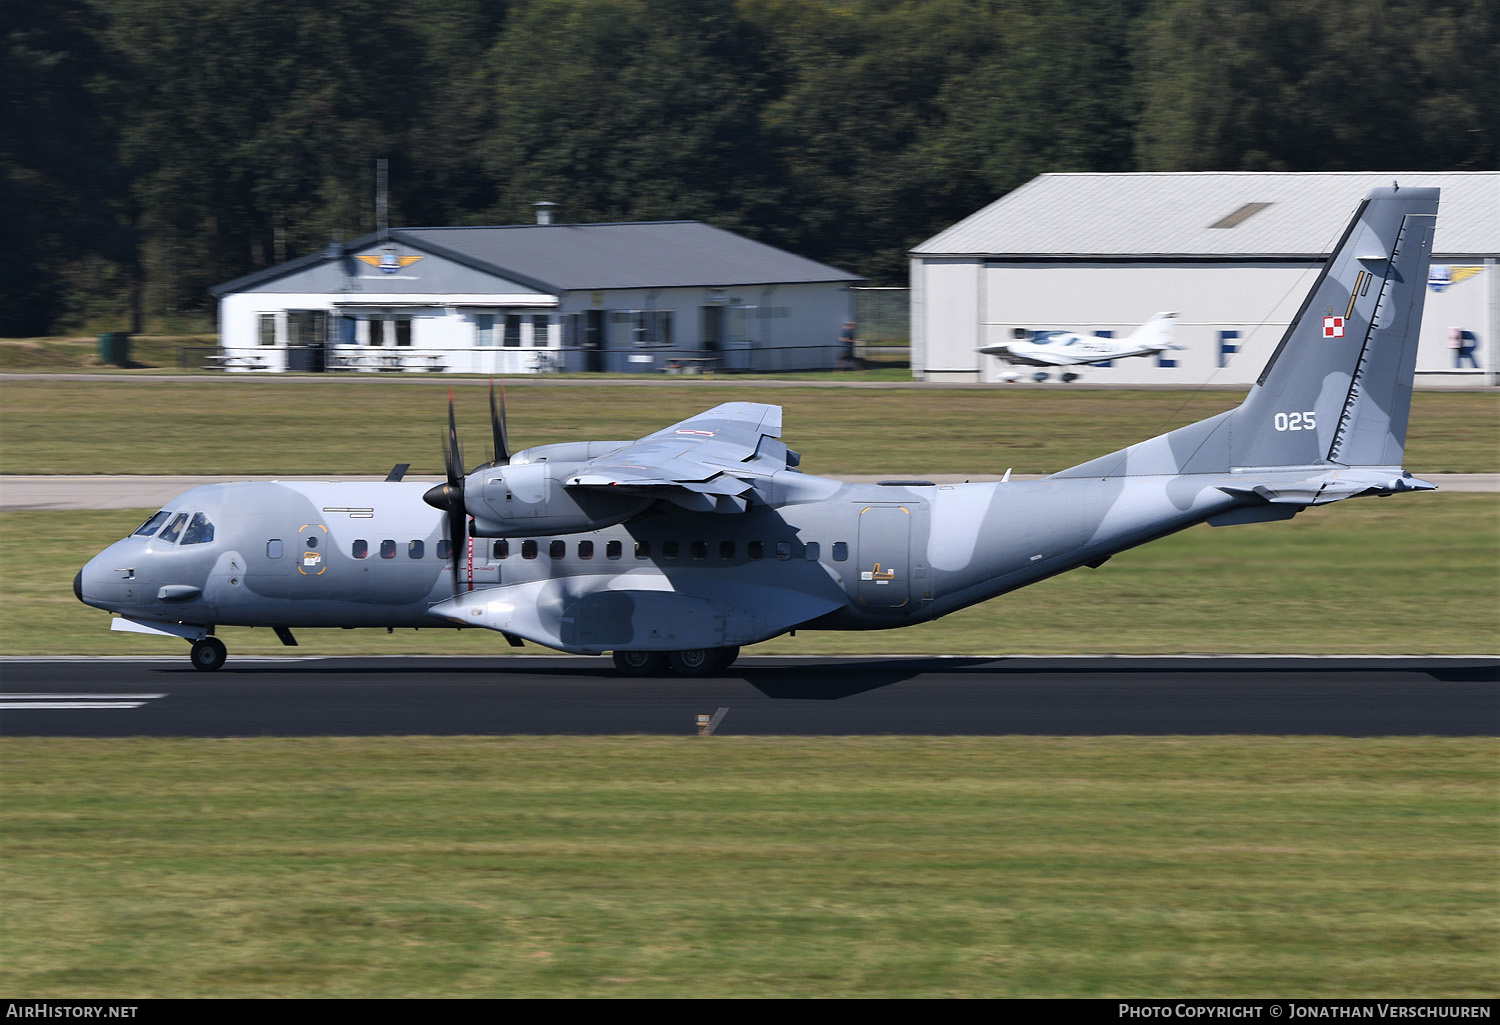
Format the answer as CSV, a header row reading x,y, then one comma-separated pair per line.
x,y
1296,421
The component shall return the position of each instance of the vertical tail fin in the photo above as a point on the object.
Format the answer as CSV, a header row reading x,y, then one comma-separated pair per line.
x,y
1338,388
1155,332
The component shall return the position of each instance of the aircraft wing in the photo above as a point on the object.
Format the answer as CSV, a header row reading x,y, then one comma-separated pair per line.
x,y
1038,356
707,462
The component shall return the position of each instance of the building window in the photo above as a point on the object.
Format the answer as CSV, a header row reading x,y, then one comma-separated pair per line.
x,y
403,330
375,331
484,329
539,323
268,329
512,330
647,327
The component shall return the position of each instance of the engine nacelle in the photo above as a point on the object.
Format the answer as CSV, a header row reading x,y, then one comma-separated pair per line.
x,y
530,498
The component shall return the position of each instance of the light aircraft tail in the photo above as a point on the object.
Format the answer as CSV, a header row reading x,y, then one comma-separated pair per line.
x,y
1337,391
1155,333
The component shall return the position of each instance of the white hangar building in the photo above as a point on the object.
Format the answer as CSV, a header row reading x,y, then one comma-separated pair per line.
x,y
674,295
1233,253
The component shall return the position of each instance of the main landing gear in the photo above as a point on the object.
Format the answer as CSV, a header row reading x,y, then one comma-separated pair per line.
x,y
690,662
208,654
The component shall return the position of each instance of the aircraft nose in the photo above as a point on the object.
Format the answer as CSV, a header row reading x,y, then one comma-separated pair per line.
x,y
78,585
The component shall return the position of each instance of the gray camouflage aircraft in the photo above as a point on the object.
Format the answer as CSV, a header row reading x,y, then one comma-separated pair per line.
x,y
676,549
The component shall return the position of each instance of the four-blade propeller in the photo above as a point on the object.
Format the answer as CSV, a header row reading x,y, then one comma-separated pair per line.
x,y
449,496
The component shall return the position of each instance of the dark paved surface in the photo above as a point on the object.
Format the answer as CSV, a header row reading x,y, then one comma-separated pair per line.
x,y
763,695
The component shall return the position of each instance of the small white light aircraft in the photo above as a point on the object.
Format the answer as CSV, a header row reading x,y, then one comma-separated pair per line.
x,y
674,550
1066,349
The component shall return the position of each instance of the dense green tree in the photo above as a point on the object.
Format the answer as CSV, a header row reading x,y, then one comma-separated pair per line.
x,y
181,143
61,187
1314,85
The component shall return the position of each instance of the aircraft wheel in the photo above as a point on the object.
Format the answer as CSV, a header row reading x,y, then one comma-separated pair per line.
x,y
640,663
209,654
702,661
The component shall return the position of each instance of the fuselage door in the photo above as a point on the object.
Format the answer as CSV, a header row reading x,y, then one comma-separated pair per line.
x,y
884,556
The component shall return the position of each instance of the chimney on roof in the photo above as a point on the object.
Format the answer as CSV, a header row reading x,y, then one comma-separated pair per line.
x,y
544,211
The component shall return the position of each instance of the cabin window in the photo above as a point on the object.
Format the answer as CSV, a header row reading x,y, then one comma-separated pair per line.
x,y
726,549
643,549
501,550
585,549
414,549
273,548
700,549
669,549
388,549
755,550
811,552
613,550
152,525
558,549
783,550
445,550
200,531
841,551
528,549
174,528
360,549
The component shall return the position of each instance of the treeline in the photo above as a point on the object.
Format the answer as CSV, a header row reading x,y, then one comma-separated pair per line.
x,y
152,148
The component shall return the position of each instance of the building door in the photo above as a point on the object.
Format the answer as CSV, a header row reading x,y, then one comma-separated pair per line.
x,y
595,340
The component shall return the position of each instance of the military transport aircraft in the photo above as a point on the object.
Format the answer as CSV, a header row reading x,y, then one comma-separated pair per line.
x,y
676,549
1066,349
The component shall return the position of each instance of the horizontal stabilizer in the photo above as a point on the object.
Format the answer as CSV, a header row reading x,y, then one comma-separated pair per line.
x,y
1323,488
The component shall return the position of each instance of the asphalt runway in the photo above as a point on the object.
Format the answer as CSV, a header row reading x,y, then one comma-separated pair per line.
x,y
915,695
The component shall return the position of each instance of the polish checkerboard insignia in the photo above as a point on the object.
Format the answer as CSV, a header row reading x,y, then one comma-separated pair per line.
x,y
1333,327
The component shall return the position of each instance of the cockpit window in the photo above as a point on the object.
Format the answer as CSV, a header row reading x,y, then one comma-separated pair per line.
x,y
174,528
152,525
199,532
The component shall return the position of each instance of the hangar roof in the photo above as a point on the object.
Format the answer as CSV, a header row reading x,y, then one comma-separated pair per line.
x,y
1210,214
560,258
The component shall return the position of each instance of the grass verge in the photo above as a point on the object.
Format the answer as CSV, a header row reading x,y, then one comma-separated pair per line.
x,y
659,867
355,427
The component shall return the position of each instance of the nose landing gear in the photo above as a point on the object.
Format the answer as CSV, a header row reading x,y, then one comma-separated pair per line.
x,y
208,654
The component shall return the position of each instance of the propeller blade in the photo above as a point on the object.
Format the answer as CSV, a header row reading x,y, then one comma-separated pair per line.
x,y
497,427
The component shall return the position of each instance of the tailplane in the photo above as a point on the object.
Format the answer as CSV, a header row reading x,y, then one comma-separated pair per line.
x,y
1337,391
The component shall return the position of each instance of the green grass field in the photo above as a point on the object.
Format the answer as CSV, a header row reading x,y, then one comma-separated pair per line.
x,y
740,867
355,427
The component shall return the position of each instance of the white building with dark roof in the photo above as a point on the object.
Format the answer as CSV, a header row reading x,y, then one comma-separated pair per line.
x,y
1233,253
672,295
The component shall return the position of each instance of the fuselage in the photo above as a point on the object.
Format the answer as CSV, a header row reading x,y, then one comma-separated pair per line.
x,y
819,554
